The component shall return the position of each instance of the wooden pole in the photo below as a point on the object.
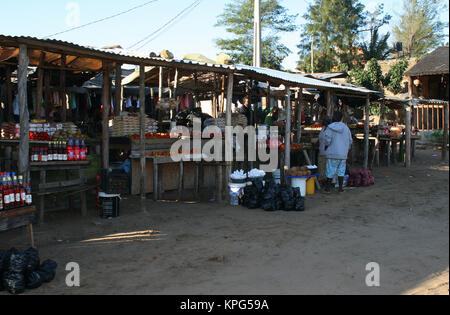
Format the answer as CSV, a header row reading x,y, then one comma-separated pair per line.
x,y
118,93
105,117
408,137
175,86
330,103
299,116
228,122
62,89
366,134
24,114
48,92
9,94
222,96
160,86
40,86
142,128
445,141
287,137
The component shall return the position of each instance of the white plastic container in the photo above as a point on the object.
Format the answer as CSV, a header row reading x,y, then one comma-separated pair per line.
x,y
236,191
299,182
276,175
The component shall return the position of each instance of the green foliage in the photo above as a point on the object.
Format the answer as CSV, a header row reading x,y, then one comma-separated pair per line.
x,y
394,78
420,29
238,20
334,27
371,78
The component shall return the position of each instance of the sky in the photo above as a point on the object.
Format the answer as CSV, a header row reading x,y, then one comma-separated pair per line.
x,y
192,32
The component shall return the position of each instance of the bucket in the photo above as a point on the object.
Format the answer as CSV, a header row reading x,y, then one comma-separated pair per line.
x,y
276,175
236,192
299,182
311,186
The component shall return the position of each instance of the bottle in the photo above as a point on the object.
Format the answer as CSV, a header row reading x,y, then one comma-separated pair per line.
x,y
22,191
55,151
29,197
70,151
83,150
1,198
76,149
50,152
5,198
12,197
66,153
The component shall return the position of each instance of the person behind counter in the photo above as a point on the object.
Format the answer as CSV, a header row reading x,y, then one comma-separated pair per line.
x,y
326,121
244,109
338,142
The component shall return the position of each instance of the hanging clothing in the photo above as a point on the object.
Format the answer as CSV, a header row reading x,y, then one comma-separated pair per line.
x,y
16,105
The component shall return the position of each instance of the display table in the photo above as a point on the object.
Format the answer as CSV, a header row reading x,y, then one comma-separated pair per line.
x,y
24,216
70,186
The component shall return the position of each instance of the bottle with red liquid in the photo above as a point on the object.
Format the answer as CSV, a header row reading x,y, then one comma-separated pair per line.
x,y
76,150
28,196
70,150
83,150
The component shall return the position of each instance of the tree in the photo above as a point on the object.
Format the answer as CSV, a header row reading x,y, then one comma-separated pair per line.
x,y
371,78
377,47
419,28
238,20
334,26
394,78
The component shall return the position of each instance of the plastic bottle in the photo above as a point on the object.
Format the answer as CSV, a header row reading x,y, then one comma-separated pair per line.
x,y
1,198
76,149
83,150
29,197
70,151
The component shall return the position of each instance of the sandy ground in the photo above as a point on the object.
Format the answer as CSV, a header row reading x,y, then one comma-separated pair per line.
x,y
402,223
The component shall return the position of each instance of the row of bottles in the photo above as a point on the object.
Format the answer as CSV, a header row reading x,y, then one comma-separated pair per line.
x,y
14,193
73,150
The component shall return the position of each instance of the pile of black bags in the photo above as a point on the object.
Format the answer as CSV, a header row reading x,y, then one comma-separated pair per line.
x,y
272,197
23,270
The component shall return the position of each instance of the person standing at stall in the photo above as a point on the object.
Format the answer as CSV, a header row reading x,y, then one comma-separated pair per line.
x,y
322,153
244,109
338,142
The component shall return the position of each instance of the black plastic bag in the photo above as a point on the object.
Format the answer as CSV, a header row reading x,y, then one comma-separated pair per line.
x,y
17,262
33,280
47,271
32,260
14,282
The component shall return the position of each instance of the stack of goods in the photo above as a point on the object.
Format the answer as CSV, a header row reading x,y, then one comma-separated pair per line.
x,y
300,171
238,177
361,178
124,126
10,131
14,193
256,173
23,270
273,197
70,128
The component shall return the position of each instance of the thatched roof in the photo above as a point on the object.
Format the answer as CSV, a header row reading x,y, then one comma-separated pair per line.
x,y
435,63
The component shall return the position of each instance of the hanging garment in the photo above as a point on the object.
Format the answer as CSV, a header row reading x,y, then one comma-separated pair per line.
x,y
16,105
73,101
128,103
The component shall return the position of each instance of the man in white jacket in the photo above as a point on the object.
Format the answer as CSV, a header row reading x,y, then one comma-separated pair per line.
x,y
338,142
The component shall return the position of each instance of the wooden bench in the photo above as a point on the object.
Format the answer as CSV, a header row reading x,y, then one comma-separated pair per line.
x,y
69,186
24,216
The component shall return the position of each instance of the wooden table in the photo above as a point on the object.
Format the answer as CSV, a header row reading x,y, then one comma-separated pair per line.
x,y
78,185
24,216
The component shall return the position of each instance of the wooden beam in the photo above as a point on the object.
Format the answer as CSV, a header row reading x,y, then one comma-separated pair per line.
x,y
105,117
287,138
330,103
24,146
48,93
299,104
366,134
118,93
408,137
445,140
142,130
228,123
62,89
40,86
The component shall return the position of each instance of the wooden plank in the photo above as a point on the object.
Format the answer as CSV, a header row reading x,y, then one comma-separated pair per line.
x,y
24,147
142,127
105,116
287,138
9,94
181,181
408,137
118,93
40,86
62,89
61,184
366,134
445,138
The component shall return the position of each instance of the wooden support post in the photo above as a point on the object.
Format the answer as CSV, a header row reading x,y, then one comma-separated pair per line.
x,y
9,94
299,116
445,141
366,134
228,122
48,92
222,96
330,103
40,86
160,83
219,182
62,89
118,93
175,84
181,182
408,137
24,146
105,117
287,138
142,127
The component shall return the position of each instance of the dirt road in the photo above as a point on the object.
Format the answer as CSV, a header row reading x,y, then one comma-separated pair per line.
x,y
401,223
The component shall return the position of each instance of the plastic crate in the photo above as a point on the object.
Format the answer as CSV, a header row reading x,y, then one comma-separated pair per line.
x,y
115,182
110,207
